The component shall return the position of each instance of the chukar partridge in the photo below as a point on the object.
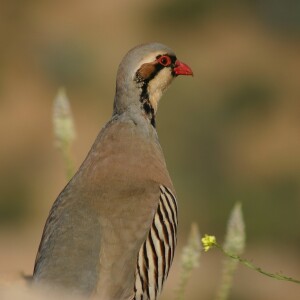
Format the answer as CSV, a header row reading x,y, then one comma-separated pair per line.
x,y
111,233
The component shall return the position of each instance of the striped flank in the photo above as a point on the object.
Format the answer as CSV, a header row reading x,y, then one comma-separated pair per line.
x,y
156,254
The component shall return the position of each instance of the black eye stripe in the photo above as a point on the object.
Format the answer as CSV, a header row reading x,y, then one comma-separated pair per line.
x,y
158,67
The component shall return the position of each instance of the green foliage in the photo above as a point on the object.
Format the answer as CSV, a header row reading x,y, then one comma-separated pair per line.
x,y
234,243
252,97
179,11
189,260
15,205
64,131
233,247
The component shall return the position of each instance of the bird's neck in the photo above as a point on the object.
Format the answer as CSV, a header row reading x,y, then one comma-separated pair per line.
x,y
141,102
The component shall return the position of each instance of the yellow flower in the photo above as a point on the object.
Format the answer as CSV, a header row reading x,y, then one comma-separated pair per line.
x,y
208,242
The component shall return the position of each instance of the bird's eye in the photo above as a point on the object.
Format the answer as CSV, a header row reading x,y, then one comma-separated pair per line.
x,y
165,60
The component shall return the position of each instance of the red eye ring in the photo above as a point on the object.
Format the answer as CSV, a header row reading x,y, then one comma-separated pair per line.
x,y
165,60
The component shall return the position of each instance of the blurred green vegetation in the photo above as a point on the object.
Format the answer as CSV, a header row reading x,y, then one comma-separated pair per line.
x,y
67,63
15,204
280,14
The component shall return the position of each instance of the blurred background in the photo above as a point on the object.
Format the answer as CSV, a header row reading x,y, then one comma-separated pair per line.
x,y
232,133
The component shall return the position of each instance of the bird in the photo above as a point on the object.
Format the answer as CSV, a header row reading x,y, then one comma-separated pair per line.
x,y
112,231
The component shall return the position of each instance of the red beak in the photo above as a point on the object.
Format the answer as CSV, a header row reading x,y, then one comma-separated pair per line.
x,y
182,69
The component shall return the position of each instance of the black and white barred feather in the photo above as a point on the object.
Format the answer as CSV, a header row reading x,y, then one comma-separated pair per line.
x,y
156,254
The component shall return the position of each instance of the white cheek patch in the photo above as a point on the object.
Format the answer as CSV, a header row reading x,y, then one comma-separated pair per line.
x,y
158,85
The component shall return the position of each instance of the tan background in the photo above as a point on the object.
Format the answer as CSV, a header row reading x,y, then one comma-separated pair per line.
x,y
231,133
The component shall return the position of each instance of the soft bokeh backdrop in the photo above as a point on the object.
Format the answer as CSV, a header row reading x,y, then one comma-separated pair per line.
x,y
231,133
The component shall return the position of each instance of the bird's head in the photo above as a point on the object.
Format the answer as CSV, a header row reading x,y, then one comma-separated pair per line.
x,y
144,74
